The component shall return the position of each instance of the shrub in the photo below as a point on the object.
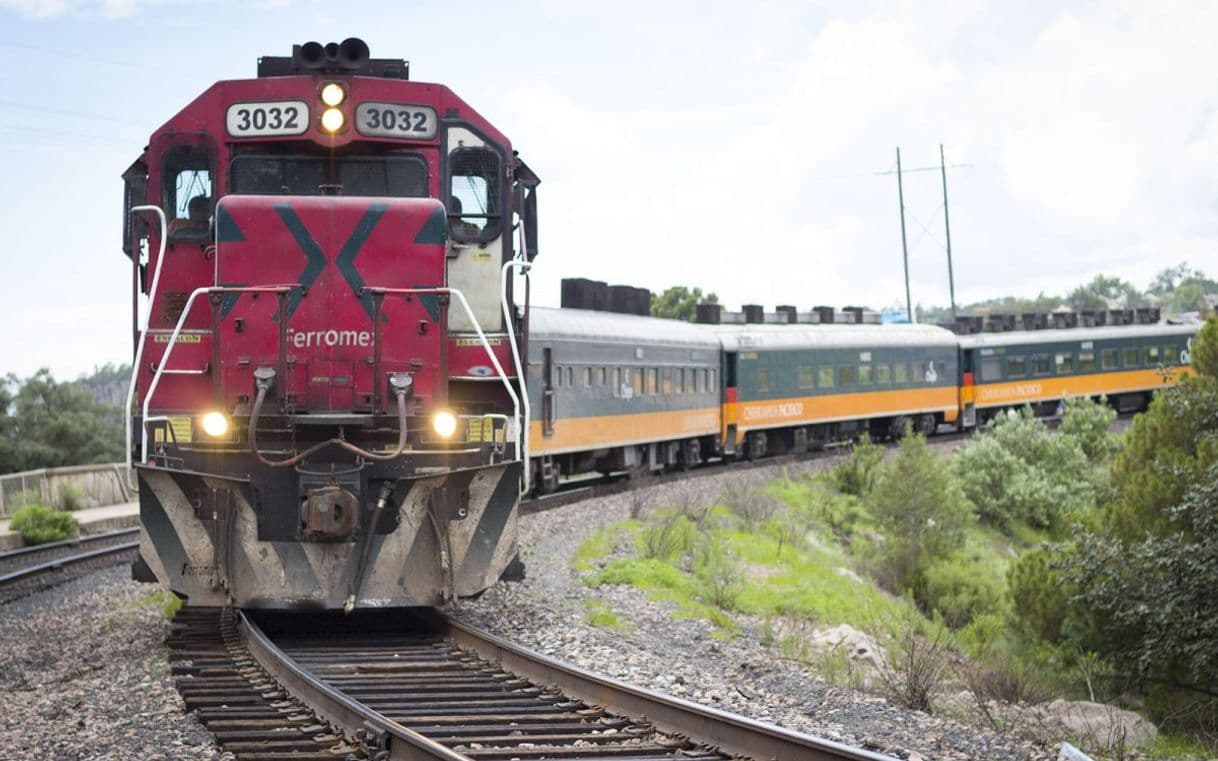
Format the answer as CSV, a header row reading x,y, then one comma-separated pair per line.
x,y
717,569
843,514
960,589
667,540
920,505
71,498
1039,594
917,664
1087,423
856,475
750,504
1016,471
39,525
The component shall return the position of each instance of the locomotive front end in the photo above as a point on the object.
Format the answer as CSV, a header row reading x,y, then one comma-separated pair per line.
x,y
327,404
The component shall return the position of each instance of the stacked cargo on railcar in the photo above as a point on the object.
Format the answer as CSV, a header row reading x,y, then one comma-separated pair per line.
x,y
326,410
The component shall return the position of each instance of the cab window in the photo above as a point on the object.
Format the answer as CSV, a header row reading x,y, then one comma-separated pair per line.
x,y
187,191
473,206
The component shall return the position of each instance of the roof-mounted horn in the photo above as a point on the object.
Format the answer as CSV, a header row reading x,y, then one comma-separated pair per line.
x,y
351,56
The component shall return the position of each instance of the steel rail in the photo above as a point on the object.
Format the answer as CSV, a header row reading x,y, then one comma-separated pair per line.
x,y
80,541
723,732
729,733
336,707
68,561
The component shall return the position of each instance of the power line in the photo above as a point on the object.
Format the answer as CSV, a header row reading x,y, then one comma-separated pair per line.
x,y
65,112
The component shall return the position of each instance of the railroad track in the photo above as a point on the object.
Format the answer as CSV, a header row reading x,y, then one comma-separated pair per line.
x,y
31,569
390,685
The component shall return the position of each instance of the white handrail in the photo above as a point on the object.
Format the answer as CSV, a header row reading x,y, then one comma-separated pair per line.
x,y
139,349
486,345
524,266
173,341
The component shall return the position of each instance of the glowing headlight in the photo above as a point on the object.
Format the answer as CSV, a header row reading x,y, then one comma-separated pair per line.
x,y
332,120
444,423
215,424
333,94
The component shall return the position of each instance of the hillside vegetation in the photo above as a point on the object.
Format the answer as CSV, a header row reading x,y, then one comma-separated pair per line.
x,y
1024,566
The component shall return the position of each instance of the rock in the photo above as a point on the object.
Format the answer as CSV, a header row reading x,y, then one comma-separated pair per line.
x,y
855,644
1098,725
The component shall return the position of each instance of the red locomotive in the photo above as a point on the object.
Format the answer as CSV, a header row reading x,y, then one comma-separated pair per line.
x,y
326,407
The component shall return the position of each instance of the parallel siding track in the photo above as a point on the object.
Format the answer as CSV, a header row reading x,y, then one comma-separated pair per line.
x,y
387,685
31,569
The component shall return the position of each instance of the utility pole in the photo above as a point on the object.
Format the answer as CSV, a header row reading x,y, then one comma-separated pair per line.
x,y
904,246
947,228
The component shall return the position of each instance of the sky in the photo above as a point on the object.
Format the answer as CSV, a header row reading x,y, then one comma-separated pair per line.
x,y
744,148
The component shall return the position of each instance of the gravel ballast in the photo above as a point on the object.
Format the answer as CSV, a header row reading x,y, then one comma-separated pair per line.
x,y
684,658
84,675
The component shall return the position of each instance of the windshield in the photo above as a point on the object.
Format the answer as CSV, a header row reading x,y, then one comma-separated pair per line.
x,y
399,176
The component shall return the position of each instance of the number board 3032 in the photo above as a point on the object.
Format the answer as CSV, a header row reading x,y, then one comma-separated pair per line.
x,y
395,120
282,117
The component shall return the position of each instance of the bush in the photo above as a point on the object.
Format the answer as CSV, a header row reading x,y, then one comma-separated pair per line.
x,y
1087,423
920,505
717,569
750,504
857,474
1039,595
917,664
1016,471
960,589
39,525
71,498
667,540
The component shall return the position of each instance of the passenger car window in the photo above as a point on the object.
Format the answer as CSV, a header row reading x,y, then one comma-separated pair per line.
x,y
1108,359
1152,355
1086,361
824,377
846,375
763,379
883,374
1017,367
991,369
1041,364
1130,358
900,372
864,375
806,378
1064,363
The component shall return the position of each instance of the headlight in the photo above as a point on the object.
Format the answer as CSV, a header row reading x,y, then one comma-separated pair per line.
x,y
332,120
444,423
215,424
333,94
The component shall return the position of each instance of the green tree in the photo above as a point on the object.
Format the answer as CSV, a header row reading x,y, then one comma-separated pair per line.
x,y
680,303
1096,294
1204,351
50,424
1146,573
1151,602
1016,471
922,509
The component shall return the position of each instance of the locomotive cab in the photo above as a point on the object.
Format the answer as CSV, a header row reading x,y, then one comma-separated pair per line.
x,y
327,400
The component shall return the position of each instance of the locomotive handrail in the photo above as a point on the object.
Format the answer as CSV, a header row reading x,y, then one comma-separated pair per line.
x,y
523,446
173,341
139,348
486,345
